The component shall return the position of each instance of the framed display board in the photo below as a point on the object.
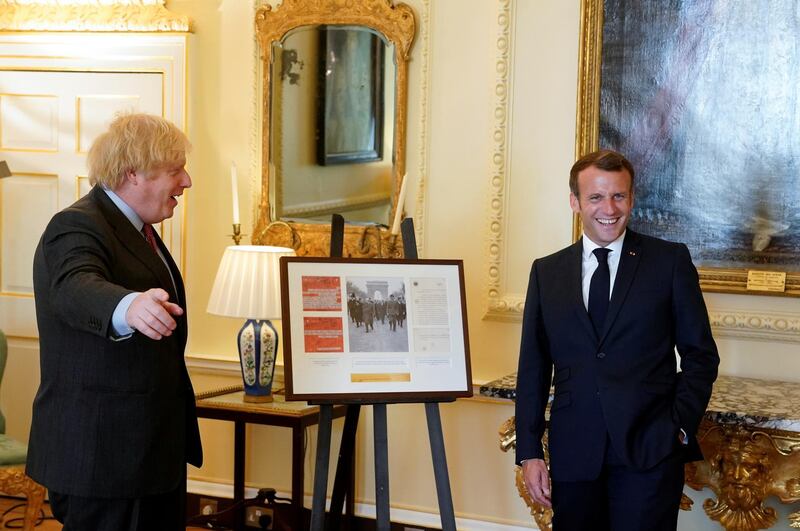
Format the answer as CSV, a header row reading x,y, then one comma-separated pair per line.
x,y
372,330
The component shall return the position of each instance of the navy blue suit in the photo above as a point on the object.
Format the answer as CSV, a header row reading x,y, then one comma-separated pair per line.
x,y
623,387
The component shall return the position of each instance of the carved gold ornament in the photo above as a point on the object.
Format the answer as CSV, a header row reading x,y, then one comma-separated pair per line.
x,y
543,516
13,481
743,467
89,15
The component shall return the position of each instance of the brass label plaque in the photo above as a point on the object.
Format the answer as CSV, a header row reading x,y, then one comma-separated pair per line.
x,y
383,377
766,280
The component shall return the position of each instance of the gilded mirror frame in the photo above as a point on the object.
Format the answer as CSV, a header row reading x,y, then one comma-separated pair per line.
x,y
398,25
587,139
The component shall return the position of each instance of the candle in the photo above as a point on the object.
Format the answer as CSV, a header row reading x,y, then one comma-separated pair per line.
x,y
235,193
400,200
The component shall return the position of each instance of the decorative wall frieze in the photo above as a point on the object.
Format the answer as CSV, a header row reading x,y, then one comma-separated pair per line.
x,y
89,15
737,324
751,324
500,305
424,119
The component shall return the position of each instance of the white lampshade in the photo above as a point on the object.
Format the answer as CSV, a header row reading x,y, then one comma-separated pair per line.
x,y
248,282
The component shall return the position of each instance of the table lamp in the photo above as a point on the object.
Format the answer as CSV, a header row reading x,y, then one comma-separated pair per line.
x,y
248,286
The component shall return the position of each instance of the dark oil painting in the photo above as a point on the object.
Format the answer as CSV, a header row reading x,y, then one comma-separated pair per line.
x,y
703,97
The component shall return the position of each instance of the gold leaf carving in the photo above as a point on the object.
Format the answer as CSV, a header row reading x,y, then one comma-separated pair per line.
x,y
89,15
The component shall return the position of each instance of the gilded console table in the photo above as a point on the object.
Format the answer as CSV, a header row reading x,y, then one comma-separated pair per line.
x,y
750,437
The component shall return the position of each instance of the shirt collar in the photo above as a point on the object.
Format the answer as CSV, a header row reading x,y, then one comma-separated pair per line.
x,y
615,247
126,210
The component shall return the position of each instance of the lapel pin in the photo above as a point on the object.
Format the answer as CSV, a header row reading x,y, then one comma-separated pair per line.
x,y
632,253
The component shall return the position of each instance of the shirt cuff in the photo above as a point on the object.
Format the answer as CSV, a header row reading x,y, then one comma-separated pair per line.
x,y
119,324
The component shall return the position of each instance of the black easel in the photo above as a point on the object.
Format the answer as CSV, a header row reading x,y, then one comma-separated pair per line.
x,y
344,467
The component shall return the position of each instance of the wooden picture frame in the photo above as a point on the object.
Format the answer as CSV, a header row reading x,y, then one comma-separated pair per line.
x,y
350,111
415,349
695,97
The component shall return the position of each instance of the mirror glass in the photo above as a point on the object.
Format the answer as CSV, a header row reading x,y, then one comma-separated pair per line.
x,y
332,130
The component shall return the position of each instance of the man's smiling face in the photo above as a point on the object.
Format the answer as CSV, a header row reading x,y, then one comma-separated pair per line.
x,y
605,203
153,194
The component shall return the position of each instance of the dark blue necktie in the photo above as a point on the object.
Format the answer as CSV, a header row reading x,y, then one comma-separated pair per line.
x,y
599,289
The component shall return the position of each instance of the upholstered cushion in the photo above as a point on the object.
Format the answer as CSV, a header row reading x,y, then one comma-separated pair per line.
x,y
11,452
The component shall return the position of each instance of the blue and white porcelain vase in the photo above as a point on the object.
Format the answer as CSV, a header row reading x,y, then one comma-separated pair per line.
x,y
258,347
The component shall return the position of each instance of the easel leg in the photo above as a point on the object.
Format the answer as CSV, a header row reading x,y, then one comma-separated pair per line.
x,y
343,483
238,467
440,467
321,470
382,522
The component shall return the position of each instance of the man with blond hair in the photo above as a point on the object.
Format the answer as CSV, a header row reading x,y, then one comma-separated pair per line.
x,y
114,420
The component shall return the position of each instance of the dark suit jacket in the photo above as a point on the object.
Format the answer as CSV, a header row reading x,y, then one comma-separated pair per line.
x,y
623,385
111,418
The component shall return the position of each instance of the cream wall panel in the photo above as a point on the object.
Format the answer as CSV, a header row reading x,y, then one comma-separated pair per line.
x,y
27,202
28,122
82,186
94,113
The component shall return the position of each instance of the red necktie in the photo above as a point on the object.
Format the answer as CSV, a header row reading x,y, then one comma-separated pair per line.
x,y
149,235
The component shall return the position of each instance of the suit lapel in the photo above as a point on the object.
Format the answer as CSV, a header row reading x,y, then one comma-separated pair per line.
x,y
574,271
628,262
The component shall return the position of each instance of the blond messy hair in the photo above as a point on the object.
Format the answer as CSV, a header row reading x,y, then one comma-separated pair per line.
x,y
134,142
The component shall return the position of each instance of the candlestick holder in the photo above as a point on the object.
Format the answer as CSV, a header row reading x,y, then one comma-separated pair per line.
x,y
237,233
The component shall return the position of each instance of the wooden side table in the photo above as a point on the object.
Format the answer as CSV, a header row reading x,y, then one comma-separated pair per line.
x,y
228,404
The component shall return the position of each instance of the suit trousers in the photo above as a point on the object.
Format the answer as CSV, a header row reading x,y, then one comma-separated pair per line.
x,y
160,512
622,498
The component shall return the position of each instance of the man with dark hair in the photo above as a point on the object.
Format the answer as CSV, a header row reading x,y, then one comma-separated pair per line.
x,y
602,320
114,420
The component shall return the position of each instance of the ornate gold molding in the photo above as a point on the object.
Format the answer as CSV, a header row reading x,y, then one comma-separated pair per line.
x,y
89,15
398,25
14,481
360,241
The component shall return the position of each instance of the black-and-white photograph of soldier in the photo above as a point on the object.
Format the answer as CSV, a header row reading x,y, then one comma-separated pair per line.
x,y
376,314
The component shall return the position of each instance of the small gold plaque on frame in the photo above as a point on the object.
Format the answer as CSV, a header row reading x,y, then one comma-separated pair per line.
x,y
766,280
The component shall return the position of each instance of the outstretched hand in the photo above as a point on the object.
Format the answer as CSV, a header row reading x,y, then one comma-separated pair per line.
x,y
151,314
537,481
